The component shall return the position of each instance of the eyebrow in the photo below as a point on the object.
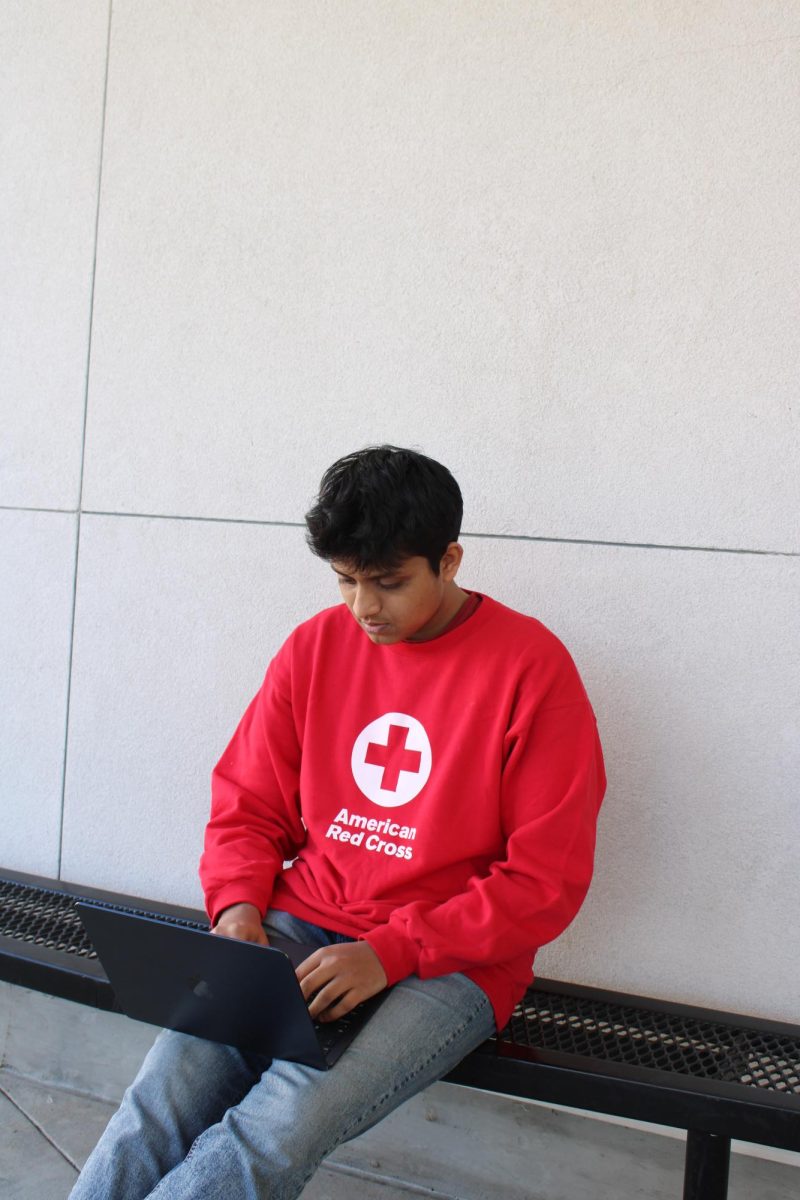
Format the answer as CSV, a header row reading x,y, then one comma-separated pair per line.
x,y
390,574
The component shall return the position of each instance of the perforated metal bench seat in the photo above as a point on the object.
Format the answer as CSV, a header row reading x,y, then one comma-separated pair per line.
x,y
717,1075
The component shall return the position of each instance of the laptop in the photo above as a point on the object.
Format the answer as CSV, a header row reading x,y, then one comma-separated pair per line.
x,y
215,987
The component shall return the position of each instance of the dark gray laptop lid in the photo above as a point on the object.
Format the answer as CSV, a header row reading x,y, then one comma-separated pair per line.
x,y
196,982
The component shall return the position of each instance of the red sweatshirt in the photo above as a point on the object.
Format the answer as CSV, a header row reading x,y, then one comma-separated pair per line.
x,y
439,798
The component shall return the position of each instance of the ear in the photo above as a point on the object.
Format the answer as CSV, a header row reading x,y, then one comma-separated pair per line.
x,y
451,561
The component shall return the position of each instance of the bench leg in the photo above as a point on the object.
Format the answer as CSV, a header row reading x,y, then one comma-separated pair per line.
x,y
708,1157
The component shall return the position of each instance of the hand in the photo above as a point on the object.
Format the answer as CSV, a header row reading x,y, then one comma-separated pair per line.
x,y
341,976
242,921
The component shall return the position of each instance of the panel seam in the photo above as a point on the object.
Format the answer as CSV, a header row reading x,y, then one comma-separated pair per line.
x,y
547,539
78,512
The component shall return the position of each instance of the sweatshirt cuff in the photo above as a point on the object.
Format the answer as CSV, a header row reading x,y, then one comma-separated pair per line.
x,y
236,893
398,954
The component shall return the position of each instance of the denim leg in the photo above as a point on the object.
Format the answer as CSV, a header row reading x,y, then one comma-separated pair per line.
x,y
271,1143
184,1085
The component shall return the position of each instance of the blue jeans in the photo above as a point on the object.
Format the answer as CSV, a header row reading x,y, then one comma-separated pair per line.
x,y
203,1120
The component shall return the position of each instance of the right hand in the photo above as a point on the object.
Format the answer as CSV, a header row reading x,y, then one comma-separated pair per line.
x,y
241,921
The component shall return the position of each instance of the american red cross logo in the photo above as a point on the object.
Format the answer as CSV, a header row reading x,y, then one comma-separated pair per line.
x,y
393,757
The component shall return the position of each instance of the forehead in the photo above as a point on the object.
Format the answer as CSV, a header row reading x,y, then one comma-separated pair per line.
x,y
404,566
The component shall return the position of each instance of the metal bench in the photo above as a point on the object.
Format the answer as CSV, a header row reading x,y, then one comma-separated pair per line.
x,y
717,1075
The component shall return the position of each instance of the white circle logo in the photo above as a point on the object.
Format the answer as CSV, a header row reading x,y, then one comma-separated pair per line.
x,y
391,760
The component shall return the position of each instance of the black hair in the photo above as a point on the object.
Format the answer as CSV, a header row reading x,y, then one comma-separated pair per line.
x,y
382,504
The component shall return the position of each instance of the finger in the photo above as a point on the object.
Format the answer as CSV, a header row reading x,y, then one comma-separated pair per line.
x,y
328,998
308,965
343,1006
324,986
313,982
254,935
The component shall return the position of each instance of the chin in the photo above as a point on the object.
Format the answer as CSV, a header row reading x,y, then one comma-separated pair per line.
x,y
387,636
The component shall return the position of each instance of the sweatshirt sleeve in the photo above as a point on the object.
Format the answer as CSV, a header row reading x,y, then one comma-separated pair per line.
x,y
255,822
552,785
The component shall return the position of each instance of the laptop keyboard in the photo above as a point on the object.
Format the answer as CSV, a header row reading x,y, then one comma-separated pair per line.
x,y
329,1032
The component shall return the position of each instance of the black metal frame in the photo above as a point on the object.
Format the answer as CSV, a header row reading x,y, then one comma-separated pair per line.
x,y
716,1088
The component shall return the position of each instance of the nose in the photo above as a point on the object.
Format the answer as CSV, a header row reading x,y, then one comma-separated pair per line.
x,y
366,603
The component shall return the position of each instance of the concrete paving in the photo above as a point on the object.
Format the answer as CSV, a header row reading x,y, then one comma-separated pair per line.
x,y
47,1133
29,1165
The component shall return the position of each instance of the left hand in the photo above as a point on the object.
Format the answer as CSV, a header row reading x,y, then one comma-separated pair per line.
x,y
341,976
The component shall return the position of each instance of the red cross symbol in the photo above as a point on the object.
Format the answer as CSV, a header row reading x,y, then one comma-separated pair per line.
x,y
393,757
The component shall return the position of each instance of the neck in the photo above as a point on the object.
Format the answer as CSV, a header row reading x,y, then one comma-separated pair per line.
x,y
452,600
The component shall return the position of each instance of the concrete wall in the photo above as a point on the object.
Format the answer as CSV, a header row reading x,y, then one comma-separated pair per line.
x,y
552,244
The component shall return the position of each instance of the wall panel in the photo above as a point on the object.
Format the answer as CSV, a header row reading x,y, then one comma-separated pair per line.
x,y
692,662
35,627
547,243
51,100
176,622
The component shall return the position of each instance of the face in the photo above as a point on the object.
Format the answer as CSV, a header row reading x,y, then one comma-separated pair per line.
x,y
408,603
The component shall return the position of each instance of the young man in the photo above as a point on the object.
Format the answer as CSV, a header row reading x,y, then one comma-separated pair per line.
x,y
429,762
